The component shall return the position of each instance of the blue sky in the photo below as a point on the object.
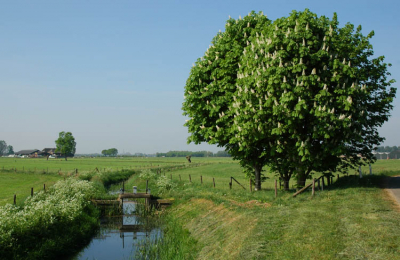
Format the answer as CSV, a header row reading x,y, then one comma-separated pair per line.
x,y
113,72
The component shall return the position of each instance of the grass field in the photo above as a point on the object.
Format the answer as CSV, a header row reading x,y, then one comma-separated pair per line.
x,y
21,184
101,163
351,219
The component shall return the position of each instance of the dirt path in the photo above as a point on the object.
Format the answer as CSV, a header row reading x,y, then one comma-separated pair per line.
x,y
392,185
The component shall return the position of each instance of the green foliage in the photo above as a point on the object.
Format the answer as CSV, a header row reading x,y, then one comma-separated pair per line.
x,y
299,94
387,148
10,149
112,176
49,224
110,152
162,183
148,174
66,144
3,147
165,184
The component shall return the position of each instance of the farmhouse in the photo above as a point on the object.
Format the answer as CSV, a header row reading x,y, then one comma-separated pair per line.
x,y
29,153
48,151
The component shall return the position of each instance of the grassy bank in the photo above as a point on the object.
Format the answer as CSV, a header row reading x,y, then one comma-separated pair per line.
x,y
352,219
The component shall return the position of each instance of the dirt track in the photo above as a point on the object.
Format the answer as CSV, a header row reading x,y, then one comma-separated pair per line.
x,y
392,184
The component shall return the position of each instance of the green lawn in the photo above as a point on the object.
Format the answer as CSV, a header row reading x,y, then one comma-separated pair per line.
x,y
21,184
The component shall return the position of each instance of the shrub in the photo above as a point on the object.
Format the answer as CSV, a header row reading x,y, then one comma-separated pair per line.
x,y
164,184
147,174
50,223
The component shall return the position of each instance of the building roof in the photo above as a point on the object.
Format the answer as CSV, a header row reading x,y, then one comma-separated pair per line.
x,y
49,150
27,152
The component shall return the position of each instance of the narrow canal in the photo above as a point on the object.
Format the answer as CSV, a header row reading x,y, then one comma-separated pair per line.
x,y
120,237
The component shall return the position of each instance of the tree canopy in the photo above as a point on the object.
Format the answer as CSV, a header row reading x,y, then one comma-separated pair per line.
x,y
110,152
3,147
10,149
65,144
299,94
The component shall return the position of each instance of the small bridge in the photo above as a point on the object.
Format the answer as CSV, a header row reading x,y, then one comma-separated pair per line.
x,y
150,200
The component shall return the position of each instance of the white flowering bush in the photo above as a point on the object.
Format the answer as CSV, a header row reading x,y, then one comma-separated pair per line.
x,y
164,184
147,174
56,215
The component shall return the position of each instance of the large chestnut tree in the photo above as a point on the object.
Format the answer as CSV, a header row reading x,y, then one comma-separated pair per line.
x,y
299,94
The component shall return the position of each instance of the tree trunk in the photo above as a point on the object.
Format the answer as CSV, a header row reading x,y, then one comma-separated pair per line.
x,y
257,179
286,182
301,180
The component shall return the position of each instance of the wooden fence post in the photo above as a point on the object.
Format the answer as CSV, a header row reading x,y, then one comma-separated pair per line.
x,y
214,182
322,184
230,184
31,192
190,178
15,199
313,187
276,188
147,186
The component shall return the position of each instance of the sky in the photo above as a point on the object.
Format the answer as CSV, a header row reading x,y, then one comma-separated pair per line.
x,y
113,72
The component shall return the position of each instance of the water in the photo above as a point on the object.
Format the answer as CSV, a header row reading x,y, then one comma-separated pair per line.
x,y
120,236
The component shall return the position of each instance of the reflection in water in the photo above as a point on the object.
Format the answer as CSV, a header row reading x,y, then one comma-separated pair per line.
x,y
120,236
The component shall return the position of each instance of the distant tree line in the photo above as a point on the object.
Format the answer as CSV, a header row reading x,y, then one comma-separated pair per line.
x,y
110,152
387,149
193,154
5,149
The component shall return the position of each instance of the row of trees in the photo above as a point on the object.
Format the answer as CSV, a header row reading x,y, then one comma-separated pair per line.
x,y
387,149
193,154
299,94
110,152
5,149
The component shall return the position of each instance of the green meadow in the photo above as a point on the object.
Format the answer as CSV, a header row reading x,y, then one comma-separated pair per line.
x,y
101,163
351,219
